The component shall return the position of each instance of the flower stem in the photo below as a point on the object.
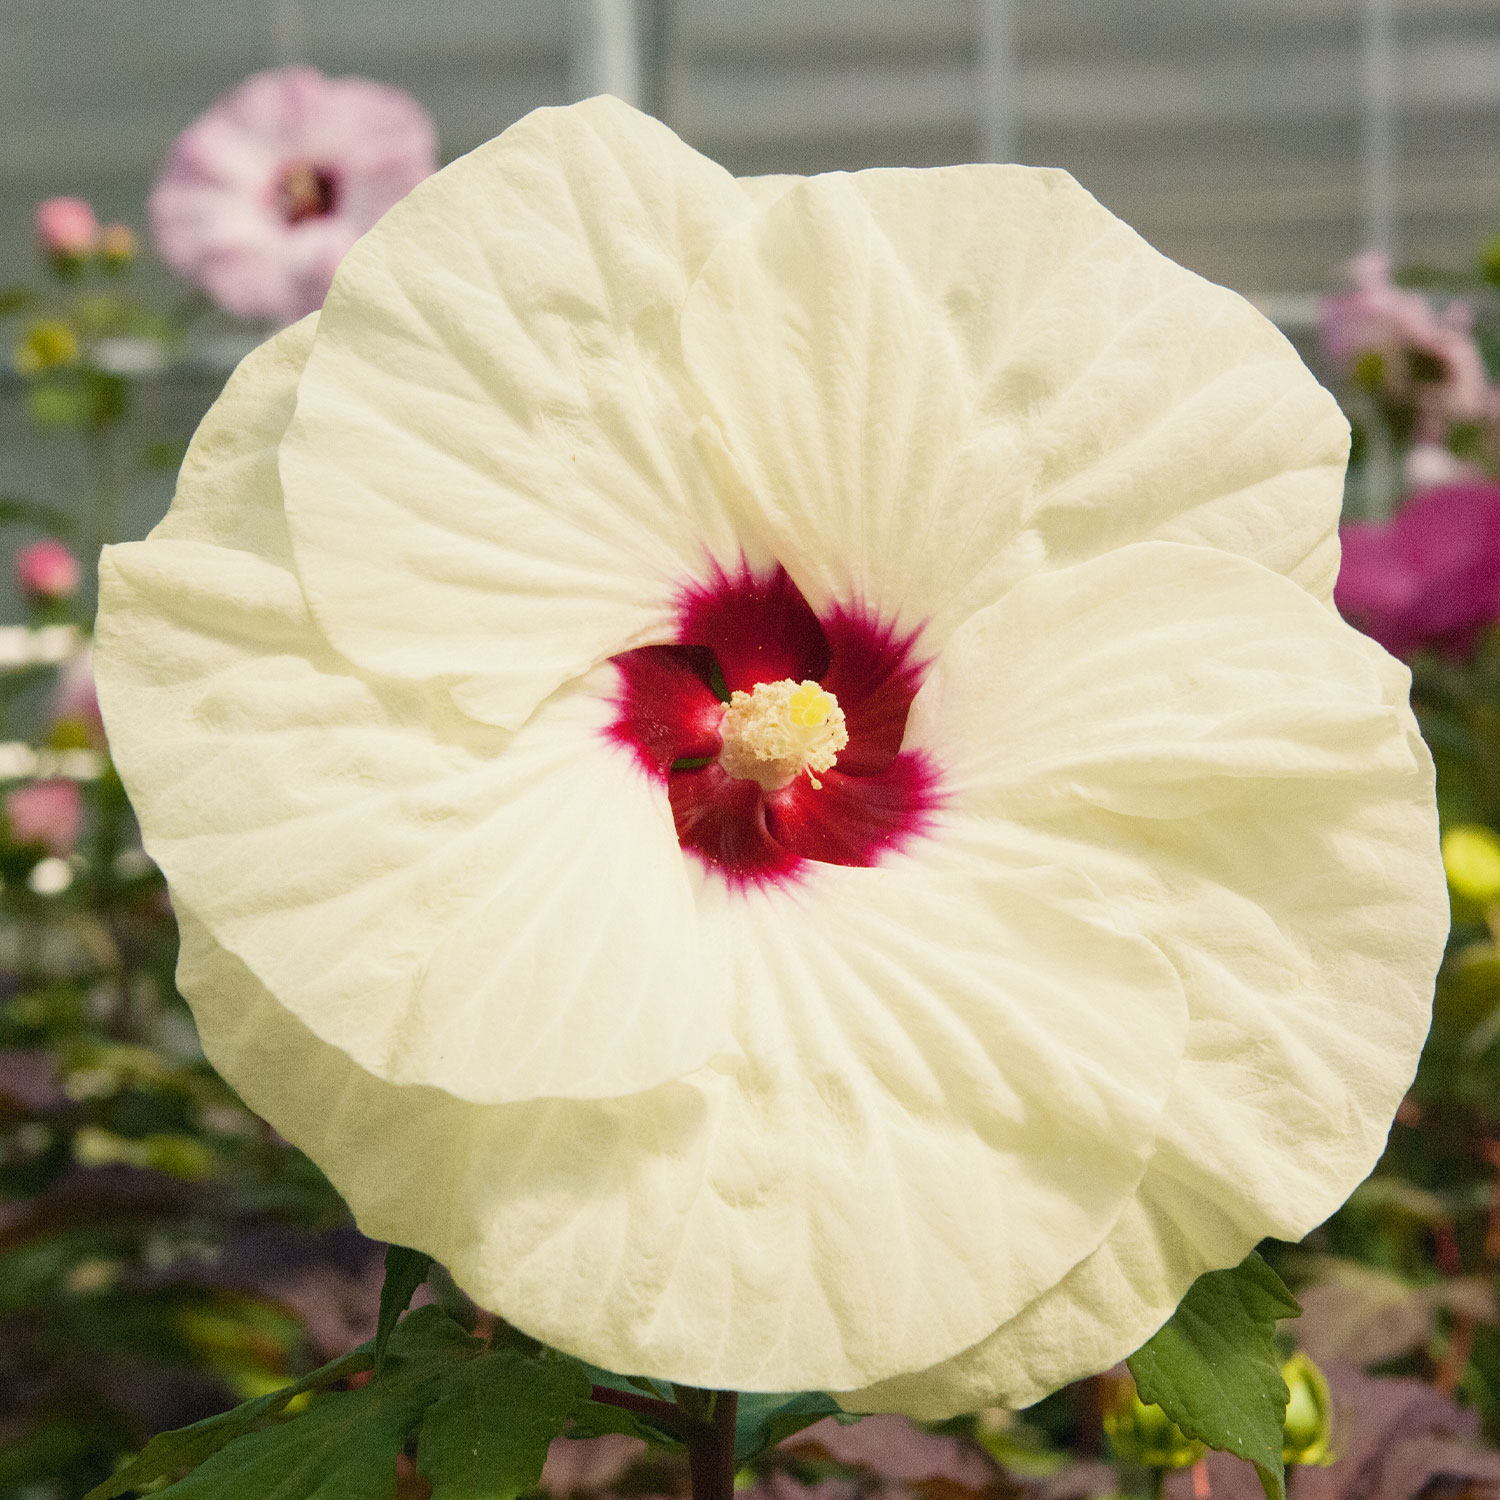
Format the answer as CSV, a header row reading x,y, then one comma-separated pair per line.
x,y
710,1441
662,1413
104,518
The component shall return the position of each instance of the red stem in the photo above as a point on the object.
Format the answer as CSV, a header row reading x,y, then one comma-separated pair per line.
x,y
711,1450
663,1413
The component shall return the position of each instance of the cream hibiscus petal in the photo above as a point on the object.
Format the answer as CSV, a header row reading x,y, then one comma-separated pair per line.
x,y
892,1167
1269,824
931,383
506,915
497,475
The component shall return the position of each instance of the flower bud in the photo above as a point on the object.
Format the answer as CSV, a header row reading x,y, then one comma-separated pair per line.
x,y
47,814
1471,858
66,229
73,710
1489,260
117,246
1142,1433
47,573
1470,991
1308,1433
48,345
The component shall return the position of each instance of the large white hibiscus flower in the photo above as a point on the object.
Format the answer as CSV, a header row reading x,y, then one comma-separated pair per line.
x,y
1051,915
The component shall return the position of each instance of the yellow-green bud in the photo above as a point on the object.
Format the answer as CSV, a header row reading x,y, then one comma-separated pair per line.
x,y
1489,260
1471,857
1309,1413
1369,370
1142,1433
1470,989
116,246
48,345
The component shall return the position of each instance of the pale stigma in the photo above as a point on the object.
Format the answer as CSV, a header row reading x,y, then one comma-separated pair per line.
x,y
780,730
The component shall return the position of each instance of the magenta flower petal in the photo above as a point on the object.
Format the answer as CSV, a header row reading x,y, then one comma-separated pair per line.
x,y
261,197
1430,576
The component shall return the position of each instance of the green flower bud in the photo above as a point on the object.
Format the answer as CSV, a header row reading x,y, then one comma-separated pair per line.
x,y
1471,858
1142,1433
1470,988
1309,1413
117,246
48,345
1489,260
1369,371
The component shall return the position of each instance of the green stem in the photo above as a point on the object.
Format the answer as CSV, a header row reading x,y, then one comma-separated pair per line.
x,y
104,481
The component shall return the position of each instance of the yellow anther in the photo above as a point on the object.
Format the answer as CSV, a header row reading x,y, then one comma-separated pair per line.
x,y
780,730
809,707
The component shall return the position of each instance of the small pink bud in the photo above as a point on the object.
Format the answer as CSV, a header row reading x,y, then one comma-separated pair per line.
x,y
48,813
46,572
117,245
66,227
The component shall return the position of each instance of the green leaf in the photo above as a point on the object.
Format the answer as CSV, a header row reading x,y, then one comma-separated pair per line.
x,y
14,511
764,1418
405,1271
171,1452
486,1436
425,1341
1213,1369
55,404
344,1446
595,1418
106,397
163,453
14,298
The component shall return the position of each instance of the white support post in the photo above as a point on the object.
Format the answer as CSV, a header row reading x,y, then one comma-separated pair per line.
x,y
606,49
995,80
1379,125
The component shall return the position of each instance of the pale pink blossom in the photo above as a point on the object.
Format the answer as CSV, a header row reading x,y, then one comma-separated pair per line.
x,y
66,226
261,196
46,571
48,813
1426,359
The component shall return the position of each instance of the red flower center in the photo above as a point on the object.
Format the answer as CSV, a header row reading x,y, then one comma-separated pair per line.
x,y
733,633
305,191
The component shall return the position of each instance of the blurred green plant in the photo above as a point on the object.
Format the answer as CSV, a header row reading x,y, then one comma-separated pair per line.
x,y
162,1253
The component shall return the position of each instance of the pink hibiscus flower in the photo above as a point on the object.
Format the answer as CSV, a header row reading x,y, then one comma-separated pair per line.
x,y
1431,575
66,227
47,572
261,196
1425,359
46,813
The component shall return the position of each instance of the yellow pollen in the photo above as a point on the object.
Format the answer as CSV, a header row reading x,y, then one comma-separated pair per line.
x,y
780,730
